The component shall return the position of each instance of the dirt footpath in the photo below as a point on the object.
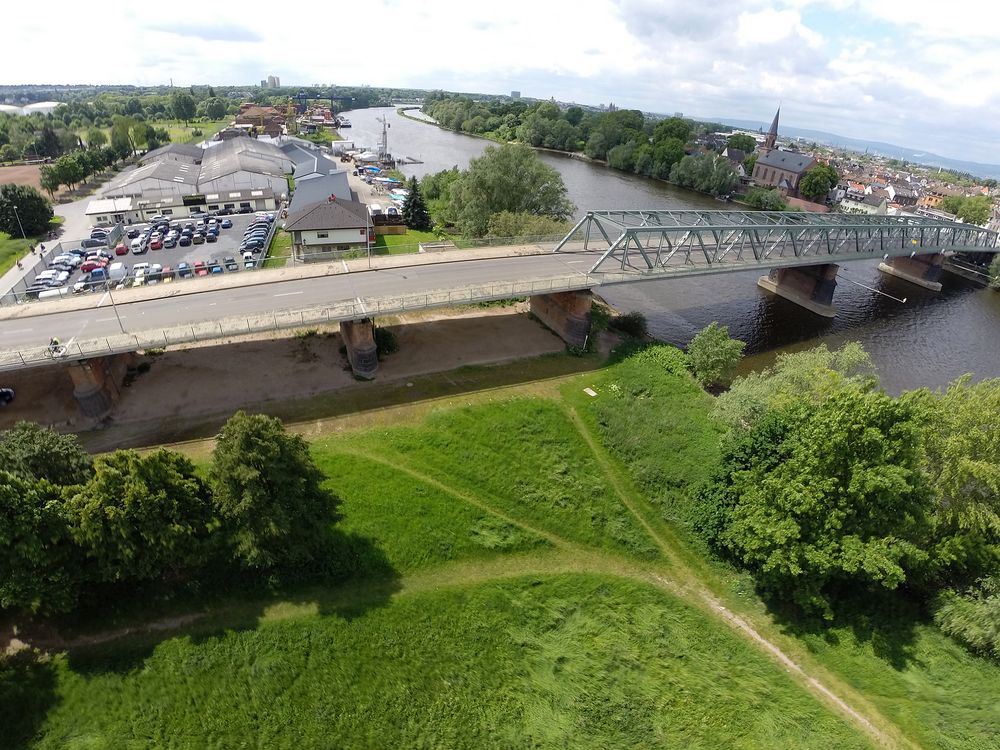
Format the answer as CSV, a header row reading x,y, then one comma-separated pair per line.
x,y
202,380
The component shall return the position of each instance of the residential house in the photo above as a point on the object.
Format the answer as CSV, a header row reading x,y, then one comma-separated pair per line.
x,y
328,227
737,157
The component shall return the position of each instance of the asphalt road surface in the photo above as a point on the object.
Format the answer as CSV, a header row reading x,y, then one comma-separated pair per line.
x,y
101,320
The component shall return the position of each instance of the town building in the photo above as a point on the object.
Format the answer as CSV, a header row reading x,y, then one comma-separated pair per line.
x,y
330,227
780,169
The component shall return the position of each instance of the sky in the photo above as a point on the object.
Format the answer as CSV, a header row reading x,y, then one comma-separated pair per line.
x,y
917,73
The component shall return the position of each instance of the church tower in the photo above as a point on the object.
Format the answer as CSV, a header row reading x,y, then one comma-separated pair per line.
x,y
770,143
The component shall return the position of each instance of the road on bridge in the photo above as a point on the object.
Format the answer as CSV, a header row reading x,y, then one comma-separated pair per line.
x,y
101,320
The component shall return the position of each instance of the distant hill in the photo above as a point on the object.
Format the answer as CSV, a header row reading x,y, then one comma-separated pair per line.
x,y
873,147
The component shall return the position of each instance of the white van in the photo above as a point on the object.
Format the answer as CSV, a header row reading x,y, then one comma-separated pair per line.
x,y
61,291
117,272
137,245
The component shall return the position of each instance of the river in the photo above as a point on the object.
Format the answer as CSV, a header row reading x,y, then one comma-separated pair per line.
x,y
928,341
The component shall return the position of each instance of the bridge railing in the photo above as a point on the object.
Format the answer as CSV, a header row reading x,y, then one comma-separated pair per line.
x,y
278,320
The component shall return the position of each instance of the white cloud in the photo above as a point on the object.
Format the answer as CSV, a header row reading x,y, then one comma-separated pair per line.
x,y
915,72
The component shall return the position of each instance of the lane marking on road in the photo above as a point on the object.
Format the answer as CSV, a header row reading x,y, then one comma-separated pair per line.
x,y
287,294
101,301
107,320
361,305
20,330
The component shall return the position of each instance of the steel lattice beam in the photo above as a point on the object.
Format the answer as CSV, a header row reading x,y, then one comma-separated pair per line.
x,y
654,242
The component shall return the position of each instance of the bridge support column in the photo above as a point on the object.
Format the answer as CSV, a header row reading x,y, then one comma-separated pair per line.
x,y
922,270
809,286
359,339
97,383
566,313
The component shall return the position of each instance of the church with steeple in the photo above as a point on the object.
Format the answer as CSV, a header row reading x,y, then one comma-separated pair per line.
x,y
779,169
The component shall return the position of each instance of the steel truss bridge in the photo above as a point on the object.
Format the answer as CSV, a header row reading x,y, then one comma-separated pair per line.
x,y
655,243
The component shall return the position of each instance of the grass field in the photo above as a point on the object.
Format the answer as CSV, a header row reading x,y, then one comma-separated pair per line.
x,y
402,244
514,588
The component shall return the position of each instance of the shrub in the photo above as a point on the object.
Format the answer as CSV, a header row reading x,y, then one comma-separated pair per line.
x,y
385,342
973,617
714,355
631,324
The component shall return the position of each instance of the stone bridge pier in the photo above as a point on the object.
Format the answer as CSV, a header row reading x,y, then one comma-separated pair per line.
x,y
359,340
565,313
922,270
811,287
97,383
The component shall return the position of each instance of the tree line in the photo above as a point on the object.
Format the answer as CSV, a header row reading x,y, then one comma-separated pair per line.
x,y
828,487
75,529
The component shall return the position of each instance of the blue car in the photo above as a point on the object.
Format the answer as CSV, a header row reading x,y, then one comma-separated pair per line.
x,y
227,224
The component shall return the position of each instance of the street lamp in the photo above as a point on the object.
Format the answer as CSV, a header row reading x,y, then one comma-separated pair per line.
x,y
19,224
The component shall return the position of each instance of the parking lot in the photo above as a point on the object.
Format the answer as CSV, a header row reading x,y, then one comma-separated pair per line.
x,y
212,255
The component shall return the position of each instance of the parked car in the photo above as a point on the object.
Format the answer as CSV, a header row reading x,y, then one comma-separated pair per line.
x,y
198,239
94,243
245,210
184,270
167,275
155,243
199,268
211,237
169,241
121,249
132,233
226,224
90,265
214,267
231,264
6,396
184,240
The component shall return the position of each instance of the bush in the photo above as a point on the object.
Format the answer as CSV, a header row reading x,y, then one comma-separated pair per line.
x,y
973,617
385,342
631,324
714,355
995,273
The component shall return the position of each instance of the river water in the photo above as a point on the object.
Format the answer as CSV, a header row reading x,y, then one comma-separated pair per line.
x,y
930,340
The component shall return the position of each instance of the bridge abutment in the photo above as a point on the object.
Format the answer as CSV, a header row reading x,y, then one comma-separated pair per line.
x,y
362,353
922,270
811,287
97,383
565,313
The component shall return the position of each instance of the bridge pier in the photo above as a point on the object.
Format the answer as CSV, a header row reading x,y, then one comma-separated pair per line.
x,y
922,270
808,286
97,383
565,313
359,339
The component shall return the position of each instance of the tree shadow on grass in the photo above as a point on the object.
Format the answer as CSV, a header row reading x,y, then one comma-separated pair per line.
x,y
352,578
885,620
27,694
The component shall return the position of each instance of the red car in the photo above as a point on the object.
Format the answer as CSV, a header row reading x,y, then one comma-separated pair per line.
x,y
90,265
155,244
200,269
121,249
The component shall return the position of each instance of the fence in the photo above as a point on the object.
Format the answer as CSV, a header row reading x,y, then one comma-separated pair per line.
x,y
278,320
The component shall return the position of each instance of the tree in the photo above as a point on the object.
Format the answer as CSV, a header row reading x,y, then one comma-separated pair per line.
x,y
268,493
666,153
414,209
22,208
507,224
742,142
833,496
672,127
818,181
96,138
766,199
9,152
182,106
37,558
800,377
973,616
215,109
995,272
48,178
507,178
976,210
714,355
749,162
709,173
141,517
33,452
